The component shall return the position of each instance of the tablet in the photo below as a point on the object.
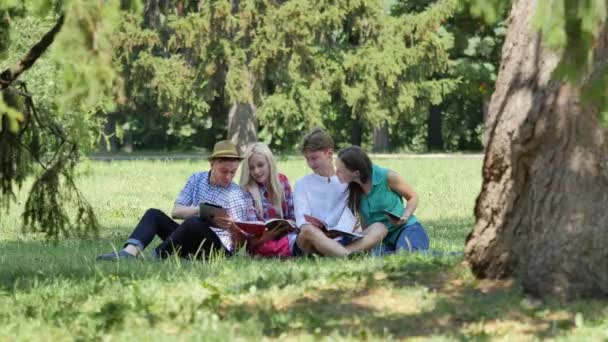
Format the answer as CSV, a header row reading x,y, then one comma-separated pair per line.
x,y
209,211
391,215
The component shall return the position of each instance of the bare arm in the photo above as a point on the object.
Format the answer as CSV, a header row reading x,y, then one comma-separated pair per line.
x,y
184,211
398,184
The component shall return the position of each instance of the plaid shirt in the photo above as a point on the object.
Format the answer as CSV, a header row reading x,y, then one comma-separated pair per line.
x,y
199,189
270,211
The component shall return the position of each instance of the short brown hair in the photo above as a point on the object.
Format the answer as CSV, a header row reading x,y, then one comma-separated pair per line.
x,y
317,140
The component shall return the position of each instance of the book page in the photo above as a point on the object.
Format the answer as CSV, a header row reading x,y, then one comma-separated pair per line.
x,y
275,223
315,221
347,222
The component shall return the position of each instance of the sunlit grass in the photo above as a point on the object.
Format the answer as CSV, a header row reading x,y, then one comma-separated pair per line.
x,y
59,292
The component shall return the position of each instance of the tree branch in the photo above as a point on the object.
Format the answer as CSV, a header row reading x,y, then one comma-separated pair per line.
x,y
11,74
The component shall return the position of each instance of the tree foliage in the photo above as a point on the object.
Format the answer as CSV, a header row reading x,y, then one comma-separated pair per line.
x,y
44,139
474,57
570,27
301,63
180,65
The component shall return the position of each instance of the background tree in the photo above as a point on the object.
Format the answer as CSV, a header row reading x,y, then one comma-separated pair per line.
x,y
541,212
373,69
290,65
457,122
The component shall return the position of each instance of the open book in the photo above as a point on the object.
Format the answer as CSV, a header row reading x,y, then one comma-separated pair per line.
x,y
257,228
209,211
345,226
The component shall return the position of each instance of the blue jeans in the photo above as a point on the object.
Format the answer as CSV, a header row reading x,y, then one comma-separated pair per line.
x,y
412,238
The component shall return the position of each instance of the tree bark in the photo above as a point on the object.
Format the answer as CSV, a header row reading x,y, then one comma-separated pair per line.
x,y
242,128
356,131
434,129
485,108
109,142
541,214
381,139
11,74
241,125
152,14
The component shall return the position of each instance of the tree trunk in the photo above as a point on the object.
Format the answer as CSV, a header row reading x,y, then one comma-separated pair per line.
x,y
219,119
152,14
541,214
485,108
242,128
127,142
241,125
434,129
356,132
109,142
381,139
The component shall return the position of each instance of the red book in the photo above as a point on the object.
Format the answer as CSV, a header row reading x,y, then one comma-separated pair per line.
x,y
257,228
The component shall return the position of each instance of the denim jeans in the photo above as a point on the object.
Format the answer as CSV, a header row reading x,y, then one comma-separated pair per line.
x,y
194,238
412,238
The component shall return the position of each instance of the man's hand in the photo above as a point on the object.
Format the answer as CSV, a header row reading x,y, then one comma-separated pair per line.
x,y
225,222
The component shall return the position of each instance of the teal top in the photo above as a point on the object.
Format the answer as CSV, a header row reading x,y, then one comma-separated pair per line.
x,y
380,198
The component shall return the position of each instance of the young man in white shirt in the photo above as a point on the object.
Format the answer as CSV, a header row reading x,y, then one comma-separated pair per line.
x,y
322,195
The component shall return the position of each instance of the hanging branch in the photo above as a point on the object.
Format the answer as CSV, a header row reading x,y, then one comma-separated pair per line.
x,y
11,74
54,189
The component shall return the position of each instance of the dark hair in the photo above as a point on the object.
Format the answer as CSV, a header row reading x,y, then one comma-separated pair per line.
x,y
355,159
316,140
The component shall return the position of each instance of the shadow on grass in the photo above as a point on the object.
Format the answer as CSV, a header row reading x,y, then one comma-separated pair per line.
x,y
400,296
480,310
27,263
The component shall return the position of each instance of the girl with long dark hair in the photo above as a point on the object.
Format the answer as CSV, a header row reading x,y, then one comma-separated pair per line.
x,y
377,194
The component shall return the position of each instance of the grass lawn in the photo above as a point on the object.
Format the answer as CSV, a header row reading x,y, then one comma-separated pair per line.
x,y
59,292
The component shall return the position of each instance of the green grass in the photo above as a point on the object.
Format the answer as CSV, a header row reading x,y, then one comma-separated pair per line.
x,y
58,292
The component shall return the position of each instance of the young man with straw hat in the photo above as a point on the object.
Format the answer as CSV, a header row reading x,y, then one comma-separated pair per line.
x,y
195,237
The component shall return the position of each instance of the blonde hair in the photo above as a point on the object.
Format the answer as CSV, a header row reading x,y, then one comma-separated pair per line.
x,y
273,186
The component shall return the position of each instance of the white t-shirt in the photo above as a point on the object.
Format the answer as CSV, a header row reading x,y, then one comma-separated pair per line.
x,y
321,197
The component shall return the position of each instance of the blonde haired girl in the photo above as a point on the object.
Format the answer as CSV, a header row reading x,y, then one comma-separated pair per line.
x,y
271,195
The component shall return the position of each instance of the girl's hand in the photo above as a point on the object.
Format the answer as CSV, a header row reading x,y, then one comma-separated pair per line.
x,y
268,235
273,234
400,222
403,220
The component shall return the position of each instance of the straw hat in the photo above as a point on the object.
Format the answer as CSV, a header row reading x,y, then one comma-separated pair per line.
x,y
225,149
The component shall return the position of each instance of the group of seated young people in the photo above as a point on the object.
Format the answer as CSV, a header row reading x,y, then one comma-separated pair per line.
x,y
354,183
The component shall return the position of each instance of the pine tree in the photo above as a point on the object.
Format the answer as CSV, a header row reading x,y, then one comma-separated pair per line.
x,y
283,66
290,65
45,141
